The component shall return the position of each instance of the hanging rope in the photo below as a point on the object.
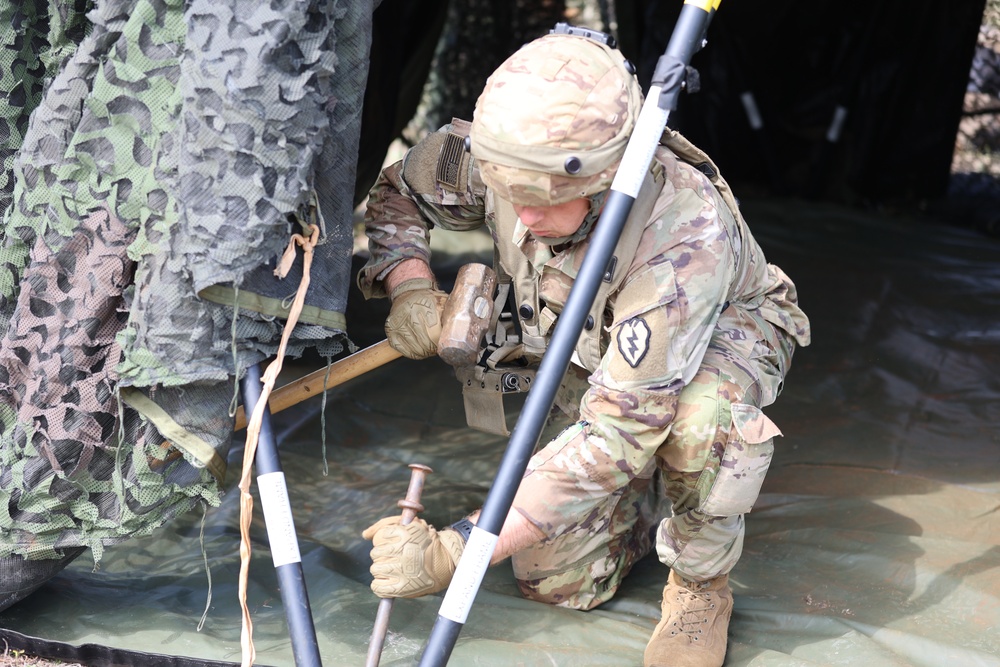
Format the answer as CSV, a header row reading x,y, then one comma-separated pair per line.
x,y
268,379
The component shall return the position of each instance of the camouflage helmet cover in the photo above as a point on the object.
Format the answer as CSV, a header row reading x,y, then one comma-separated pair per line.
x,y
553,120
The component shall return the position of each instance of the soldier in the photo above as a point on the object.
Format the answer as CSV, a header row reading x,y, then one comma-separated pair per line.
x,y
689,337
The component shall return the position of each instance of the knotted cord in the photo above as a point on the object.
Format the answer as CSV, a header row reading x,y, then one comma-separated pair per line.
x,y
268,379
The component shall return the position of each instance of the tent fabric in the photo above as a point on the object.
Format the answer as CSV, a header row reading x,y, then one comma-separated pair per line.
x,y
875,540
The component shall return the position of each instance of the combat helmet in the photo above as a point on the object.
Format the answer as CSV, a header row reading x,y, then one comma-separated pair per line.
x,y
553,120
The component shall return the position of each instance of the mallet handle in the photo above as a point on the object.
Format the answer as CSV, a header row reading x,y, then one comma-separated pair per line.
x,y
339,371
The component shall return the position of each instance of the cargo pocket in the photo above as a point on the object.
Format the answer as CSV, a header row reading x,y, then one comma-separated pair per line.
x,y
744,464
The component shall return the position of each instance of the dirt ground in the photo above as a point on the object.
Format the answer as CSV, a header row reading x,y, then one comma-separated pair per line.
x,y
18,659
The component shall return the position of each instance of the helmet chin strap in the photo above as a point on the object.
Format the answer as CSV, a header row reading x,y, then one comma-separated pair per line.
x,y
596,203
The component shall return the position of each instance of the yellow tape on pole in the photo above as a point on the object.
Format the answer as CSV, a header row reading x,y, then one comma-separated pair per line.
x,y
707,5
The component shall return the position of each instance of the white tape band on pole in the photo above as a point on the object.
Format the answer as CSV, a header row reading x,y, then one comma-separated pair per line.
x,y
837,124
278,518
468,575
641,145
753,113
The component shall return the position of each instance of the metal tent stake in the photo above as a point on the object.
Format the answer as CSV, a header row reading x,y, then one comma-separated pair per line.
x,y
281,531
410,506
668,80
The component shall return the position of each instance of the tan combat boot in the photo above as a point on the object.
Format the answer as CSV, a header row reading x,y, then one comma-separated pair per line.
x,y
695,622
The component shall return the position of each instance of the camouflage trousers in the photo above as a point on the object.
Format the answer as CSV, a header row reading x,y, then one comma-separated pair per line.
x,y
690,499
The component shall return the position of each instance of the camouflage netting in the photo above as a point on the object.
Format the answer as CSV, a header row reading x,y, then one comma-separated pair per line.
x,y
165,167
477,36
34,45
975,169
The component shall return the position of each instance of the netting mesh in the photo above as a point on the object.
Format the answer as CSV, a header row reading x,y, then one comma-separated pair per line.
x,y
35,44
976,161
174,151
477,36
20,577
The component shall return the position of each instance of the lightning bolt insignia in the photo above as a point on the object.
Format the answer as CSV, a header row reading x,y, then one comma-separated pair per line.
x,y
633,340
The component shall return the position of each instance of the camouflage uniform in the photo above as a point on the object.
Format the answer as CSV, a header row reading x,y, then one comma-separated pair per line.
x,y
698,334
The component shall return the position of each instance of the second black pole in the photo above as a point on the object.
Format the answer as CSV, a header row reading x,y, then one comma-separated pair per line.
x,y
281,535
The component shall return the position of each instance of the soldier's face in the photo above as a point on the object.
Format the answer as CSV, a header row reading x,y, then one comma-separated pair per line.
x,y
554,221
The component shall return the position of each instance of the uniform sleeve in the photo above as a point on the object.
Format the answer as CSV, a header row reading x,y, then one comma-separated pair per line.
x,y
664,316
408,200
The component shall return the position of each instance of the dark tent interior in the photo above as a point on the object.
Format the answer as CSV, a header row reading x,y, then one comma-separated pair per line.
x,y
876,537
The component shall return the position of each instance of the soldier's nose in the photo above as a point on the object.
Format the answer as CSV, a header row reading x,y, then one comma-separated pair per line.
x,y
530,215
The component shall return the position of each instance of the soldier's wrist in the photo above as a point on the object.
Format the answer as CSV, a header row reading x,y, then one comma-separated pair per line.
x,y
463,527
410,285
406,269
453,542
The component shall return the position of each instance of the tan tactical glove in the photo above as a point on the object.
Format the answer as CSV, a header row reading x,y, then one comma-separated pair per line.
x,y
412,560
414,323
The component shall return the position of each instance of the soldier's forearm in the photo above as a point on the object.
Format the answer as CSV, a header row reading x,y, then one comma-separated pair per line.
x,y
517,533
407,270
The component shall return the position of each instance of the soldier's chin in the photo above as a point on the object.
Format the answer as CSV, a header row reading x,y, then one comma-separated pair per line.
x,y
550,240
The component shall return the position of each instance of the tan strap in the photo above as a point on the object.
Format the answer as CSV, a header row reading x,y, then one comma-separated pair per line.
x,y
176,435
268,379
269,306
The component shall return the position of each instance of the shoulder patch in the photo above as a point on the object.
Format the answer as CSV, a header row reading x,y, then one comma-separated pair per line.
x,y
419,164
453,163
633,340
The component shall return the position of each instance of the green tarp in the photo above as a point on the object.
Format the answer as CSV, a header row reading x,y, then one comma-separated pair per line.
x,y
876,539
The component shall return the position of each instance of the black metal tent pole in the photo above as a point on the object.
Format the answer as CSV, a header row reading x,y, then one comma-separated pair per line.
x,y
668,81
281,530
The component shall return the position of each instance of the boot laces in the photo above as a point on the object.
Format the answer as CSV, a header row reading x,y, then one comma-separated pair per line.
x,y
696,605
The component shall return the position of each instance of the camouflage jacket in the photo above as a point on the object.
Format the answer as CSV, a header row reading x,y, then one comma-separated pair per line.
x,y
695,256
